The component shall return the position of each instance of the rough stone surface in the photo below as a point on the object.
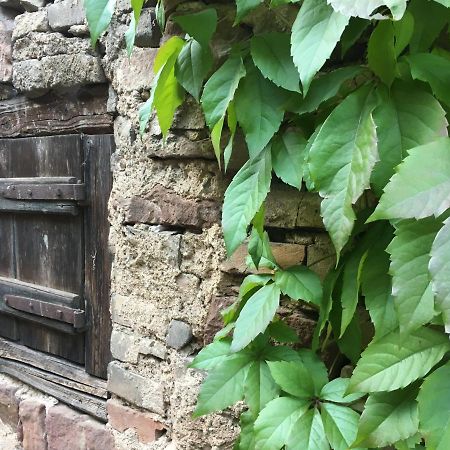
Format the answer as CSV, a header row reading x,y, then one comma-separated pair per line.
x,y
29,22
64,14
61,71
32,423
38,45
179,334
6,30
23,5
135,388
148,33
9,403
122,418
67,429
321,255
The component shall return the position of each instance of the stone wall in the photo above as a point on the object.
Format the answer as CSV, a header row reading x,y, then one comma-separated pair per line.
x,y
170,275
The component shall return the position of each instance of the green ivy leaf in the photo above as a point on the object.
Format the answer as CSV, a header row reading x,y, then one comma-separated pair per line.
x,y
200,25
258,110
341,425
130,34
434,409
255,316
444,2
367,8
300,283
224,385
251,282
341,160
160,14
276,420
351,282
308,433
324,87
352,33
193,65
216,136
282,332
288,157
381,52
429,194
388,417
212,355
171,47
232,126
315,33
404,30
315,367
411,282
220,88
247,437
389,364
432,69
244,197
429,20
406,118
271,54
260,387
98,14
293,378
376,286
335,392
146,109
440,272
244,7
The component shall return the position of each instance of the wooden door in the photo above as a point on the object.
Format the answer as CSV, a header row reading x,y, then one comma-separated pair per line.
x,y
54,263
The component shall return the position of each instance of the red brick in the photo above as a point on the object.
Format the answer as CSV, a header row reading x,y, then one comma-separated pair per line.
x,y
9,404
122,418
32,425
69,430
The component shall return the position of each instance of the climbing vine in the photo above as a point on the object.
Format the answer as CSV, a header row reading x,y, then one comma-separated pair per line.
x,y
349,100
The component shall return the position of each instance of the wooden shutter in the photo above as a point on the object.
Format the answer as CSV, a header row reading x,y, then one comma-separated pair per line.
x,y
54,262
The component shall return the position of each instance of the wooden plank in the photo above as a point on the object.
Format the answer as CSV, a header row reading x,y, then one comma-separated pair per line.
x,y
57,114
98,182
57,366
38,207
37,180
12,286
38,379
41,191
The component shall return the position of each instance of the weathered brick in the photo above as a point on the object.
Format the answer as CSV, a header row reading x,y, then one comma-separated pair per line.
x,y
67,429
286,255
136,389
28,22
9,404
123,418
32,424
164,207
321,255
124,345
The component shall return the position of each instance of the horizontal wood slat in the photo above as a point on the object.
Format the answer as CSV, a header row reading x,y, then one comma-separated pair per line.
x,y
40,207
41,191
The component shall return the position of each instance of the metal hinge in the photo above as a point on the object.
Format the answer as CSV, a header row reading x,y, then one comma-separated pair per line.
x,y
75,317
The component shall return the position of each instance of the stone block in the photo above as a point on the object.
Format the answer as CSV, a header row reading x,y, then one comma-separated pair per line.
x,y
6,29
28,22
321,255
23,5
9,404
32,424
148,33
286,255
38,45
135,388
64,14
164,207
122,418
124,345
282,206
189,116
67,429
179,334
308,215
148,346
35,77
135,73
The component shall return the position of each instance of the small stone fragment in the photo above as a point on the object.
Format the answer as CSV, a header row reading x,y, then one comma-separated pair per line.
x,y
179,334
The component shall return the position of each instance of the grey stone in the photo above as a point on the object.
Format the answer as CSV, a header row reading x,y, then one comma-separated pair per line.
x,y
79,30
63,15
179,334
125,345
28,22
62,71
6,27
139,390
148,33
111,105
148,346
23,5
7,91
38,45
